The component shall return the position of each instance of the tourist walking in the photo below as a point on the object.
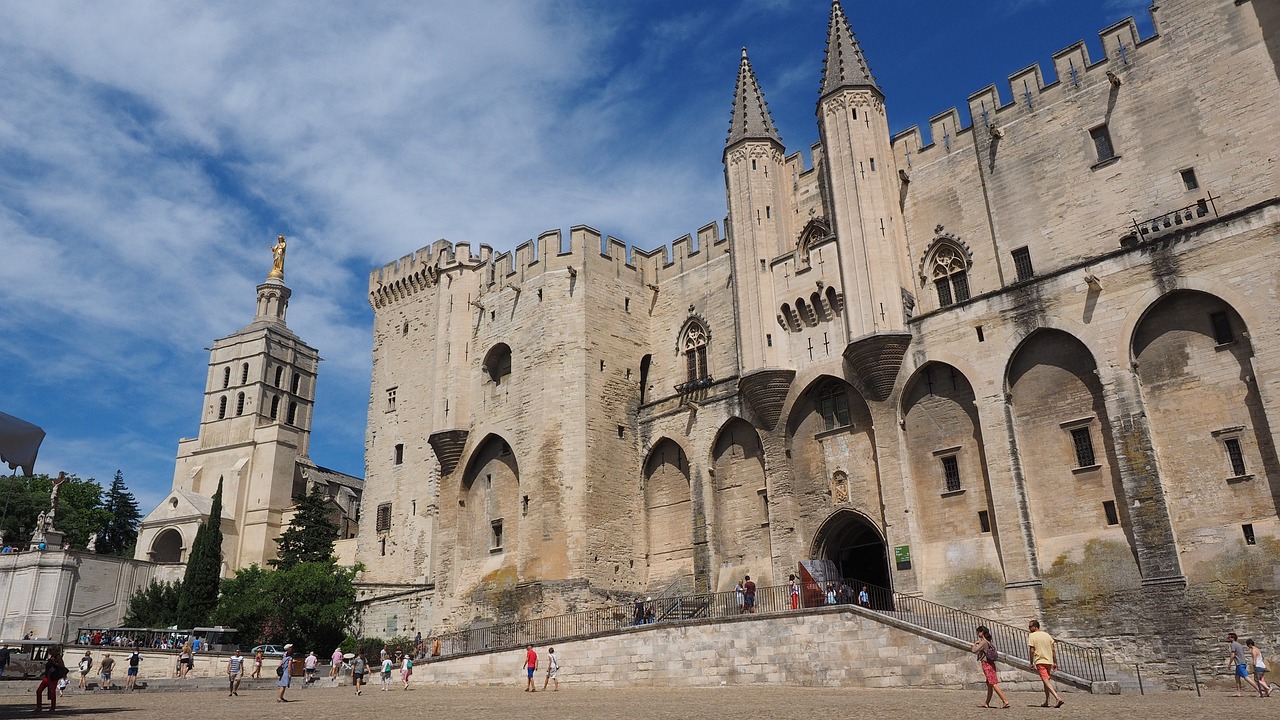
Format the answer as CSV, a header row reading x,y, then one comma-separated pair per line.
x,y
309,667
986,651
1259,669
285,672
864,599
553,668
738,595
54,670
748,594
406,669
793,589
257,664
131,673
386,671
1041,655
335,663
104,671
1238,661
86,664
185,660
358,668
235,671
530,666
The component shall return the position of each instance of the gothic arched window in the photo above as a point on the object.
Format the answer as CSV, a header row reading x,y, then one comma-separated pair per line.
x,y
222,406
833,404
949,271
694,346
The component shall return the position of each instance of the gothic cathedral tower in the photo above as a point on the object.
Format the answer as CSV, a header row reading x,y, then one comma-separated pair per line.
x,y
255,428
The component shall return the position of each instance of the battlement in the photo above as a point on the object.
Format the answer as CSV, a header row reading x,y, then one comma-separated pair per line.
x,y
1074,71
587,249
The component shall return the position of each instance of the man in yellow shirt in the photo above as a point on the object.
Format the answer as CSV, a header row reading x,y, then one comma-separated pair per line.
x,y
1041,646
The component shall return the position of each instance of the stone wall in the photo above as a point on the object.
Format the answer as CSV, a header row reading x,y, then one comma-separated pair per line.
x,y
838,648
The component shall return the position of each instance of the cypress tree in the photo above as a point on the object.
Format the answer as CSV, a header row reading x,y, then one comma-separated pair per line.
x,y
121,532
199,595
310,535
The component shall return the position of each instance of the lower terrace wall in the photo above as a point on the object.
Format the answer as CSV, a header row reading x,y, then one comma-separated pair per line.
x,y
830,648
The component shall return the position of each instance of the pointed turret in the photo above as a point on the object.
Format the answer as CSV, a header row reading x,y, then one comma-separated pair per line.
x,y
751,120
844,65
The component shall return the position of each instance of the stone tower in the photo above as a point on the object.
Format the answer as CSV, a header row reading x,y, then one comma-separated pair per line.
x,y
255,429
759,213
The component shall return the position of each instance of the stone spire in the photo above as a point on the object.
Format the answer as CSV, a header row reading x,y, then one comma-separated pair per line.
x,y
750,119
844,65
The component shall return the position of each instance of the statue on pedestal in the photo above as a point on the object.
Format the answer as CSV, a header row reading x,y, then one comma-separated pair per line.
x,y
277,259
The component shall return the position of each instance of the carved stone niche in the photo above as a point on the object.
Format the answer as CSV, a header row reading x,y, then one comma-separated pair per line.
x,y
875,360
448,445
765,391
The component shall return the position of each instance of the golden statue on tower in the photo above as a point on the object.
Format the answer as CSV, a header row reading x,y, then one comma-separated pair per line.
x,y
277,259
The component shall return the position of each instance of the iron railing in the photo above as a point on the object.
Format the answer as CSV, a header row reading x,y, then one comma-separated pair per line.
x,y
1176,218
1080,661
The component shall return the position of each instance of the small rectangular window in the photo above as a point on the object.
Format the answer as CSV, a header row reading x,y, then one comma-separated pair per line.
x,y
1222,332
951,473
1082,440
1102,143
497,535
981,338
763,267
1189,179
621,431
1109,507
984,521
399,454
768,339
391,399
1235,456
1249,538
626,304
384,517
873,164
1022,264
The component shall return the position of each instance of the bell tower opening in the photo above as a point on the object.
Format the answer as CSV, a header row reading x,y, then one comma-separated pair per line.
x,y
856,547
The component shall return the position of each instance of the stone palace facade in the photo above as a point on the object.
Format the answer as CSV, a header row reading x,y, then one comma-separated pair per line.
x,y
1026,365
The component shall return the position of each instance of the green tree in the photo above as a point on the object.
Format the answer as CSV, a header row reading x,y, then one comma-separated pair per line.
x,y
310,535
80,510
199,595
121,532
154,606
309,603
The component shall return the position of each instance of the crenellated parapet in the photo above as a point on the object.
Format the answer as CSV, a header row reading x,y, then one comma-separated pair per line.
x,y
420,270
587,249
1074,72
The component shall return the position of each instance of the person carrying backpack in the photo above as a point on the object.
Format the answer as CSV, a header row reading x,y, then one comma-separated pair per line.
x,y
54,670
86,664
987,655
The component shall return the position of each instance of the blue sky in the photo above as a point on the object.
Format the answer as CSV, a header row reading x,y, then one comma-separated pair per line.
x,y
151,151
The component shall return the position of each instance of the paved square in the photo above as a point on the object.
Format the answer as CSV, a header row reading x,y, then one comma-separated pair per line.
x,y
719,703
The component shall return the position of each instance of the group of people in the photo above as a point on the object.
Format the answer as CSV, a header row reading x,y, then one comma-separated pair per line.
x,y
531,669
1240,658
1040,653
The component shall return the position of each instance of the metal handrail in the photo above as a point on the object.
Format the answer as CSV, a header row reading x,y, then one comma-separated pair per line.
x,y
1073,659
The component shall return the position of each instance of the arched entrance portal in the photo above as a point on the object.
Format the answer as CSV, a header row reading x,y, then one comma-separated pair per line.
x,y
856,547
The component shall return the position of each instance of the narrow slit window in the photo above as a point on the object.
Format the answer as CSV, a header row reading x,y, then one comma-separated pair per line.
x,y
1249,538
293,413
1102,143
1235,456
279,376
951,473
226,378
497,535
222,407
244,373
240,404
1022,264
275,407
297,383
1222,332
984,521
399,454
1109,507
1082,442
